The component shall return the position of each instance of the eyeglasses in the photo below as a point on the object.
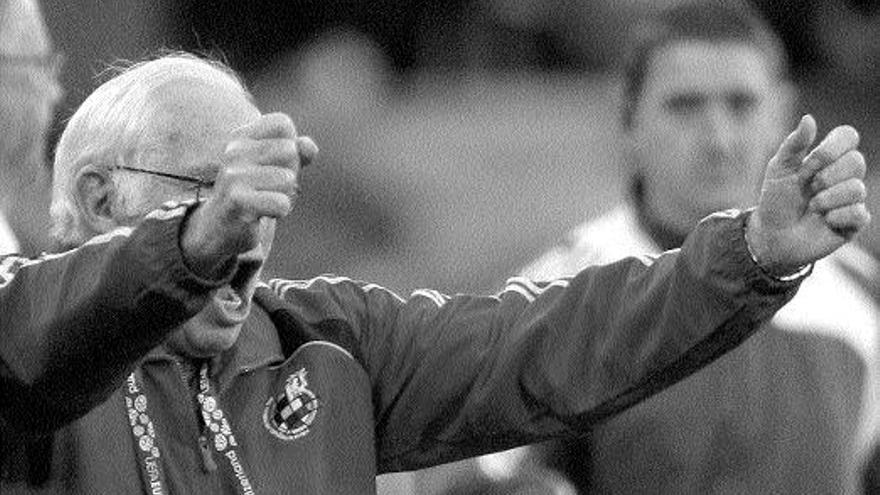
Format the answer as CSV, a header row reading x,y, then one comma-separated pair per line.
x,y
198,181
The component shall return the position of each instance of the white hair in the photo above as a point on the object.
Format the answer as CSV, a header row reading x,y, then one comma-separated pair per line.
x,y
109,130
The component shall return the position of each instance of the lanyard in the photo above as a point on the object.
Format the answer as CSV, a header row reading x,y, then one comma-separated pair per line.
x,y
216,426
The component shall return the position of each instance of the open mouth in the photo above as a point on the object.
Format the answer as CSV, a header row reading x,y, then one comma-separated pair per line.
x,y
233,296
247,268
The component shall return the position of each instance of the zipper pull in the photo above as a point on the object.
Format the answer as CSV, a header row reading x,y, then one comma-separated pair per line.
x,y
208,463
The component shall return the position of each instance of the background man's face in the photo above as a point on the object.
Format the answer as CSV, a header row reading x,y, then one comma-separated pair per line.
x,y
707,122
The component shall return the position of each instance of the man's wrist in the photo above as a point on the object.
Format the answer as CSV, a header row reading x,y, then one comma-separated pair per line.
x,y
782,274
206,266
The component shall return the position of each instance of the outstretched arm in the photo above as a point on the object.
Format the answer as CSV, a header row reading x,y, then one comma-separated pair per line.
x,y
72,325
458,376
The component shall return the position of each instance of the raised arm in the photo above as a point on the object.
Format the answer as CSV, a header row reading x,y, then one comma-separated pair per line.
x,y
459,376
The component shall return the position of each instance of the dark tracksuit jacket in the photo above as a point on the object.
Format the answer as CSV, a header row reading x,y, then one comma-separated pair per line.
x,y
334,380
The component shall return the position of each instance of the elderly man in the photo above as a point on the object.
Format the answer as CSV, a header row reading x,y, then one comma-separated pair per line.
x,y
29,90
165,365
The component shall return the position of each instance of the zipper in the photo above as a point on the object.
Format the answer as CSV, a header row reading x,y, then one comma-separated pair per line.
x,y
208,462
209,465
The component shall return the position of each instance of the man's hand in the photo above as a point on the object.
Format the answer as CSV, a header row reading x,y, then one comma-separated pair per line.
x,y
811,204
258,179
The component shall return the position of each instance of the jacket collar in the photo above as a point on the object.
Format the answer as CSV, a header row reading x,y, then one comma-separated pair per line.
x,y
258,345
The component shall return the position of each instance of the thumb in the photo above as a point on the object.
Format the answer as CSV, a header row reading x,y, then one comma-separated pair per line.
x,y
791,152
308,150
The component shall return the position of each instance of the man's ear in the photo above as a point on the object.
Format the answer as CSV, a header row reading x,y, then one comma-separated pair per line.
x,y
95,194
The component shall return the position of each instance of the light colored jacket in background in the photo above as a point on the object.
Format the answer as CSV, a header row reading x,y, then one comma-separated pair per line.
x,y
8,242
789,411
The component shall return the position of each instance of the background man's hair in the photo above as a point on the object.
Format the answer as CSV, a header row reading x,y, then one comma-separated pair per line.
x,y
713,21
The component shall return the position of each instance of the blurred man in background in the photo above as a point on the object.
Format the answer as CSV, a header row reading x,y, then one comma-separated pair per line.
x,y
705,99
29,90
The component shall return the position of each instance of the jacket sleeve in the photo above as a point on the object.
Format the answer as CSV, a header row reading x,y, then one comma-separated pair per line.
x,y
72,325
458,376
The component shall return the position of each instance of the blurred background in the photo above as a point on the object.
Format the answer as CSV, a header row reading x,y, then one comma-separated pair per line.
x,y
460,138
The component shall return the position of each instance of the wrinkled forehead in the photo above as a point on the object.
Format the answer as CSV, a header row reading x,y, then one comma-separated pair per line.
x,y
193,120
23,31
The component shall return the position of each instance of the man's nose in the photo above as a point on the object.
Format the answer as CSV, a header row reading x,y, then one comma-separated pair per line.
x,y
718,128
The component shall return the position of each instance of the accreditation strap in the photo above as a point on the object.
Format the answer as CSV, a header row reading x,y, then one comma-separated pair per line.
x,y
143,432
217,437
224,441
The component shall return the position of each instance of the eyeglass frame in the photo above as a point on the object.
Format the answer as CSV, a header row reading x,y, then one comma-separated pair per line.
x,y
198,181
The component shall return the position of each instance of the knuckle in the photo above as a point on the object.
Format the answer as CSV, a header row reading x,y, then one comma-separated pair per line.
x,y
231,178
263,152
236,193
817,159
281,121
857,184
284,151
289,177
854,212
278,205
850,192
854,158
277,151
860,163
843,214
236,147
857,156
824,155
290,147
861,190
285,205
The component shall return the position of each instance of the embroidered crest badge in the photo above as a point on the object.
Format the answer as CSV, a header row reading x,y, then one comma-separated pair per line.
x,y
290,414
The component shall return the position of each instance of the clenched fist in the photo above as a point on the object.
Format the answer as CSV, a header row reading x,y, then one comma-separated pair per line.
x,y
258,180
